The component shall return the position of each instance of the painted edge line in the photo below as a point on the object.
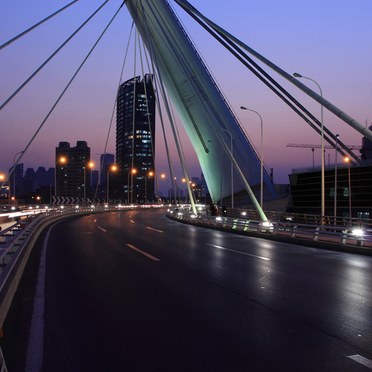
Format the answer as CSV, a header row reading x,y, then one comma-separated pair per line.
x,y
361,360
101,228
148,255
245,254
152,229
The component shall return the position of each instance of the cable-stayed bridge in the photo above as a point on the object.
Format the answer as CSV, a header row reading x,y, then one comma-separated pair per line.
x,y
182,76
136,291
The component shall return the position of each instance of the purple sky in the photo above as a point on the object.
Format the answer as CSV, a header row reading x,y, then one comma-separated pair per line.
x,y
330,41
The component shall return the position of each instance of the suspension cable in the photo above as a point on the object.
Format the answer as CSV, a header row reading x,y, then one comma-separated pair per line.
x,y
66,88
51,56
272,84
35,25
335,110
152,139
114,105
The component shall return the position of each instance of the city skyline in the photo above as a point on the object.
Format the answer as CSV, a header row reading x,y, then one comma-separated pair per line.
x,y
328,43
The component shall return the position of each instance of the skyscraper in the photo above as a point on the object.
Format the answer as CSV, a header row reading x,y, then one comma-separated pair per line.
x,y
72,170
135,139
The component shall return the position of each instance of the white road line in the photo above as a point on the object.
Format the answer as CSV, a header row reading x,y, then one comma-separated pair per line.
x,y
148,255
101,228
152,229
131,221
35,346
361,360
245,254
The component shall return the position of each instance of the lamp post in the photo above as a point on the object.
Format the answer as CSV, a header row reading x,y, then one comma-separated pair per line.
x,y
261,152
184,181
132,173
14,175
90,165
149,174
347,160
163,176
335,196
113,168
322,211
62,160
231,168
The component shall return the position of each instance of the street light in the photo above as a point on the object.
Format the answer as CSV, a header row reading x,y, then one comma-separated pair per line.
x,y
335,196
113,168
90,165
186,190
149,174
14,174
348,161
61,160
231,168
132,173
261,152
322,212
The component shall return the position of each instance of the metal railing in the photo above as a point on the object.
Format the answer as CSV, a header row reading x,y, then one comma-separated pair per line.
x,y
338,235
17,242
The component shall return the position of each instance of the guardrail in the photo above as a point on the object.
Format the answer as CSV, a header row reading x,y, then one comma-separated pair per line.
x,y
326,235
17,241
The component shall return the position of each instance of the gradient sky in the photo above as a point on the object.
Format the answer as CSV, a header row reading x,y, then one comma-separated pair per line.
x,y
330,41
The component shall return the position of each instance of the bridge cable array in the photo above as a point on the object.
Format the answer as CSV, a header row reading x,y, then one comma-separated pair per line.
x,y
269,82
36,25
52,56
22,153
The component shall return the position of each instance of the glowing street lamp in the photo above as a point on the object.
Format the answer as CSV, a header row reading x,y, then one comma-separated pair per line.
x,y
133,172
335,196
62,160
184,181
14,172
148,175
90,165
348,161
113,169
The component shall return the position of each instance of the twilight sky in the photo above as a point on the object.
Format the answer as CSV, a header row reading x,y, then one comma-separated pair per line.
x,y
329,41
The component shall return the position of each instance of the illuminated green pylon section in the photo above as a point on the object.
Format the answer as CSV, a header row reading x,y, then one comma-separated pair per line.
x,y
207,118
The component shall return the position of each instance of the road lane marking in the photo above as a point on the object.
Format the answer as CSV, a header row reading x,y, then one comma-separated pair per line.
x,y
35,346
245,254
131,221
361,360
148,255
152,229
102,229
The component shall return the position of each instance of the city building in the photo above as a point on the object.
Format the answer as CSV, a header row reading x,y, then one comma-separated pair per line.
x,y
135,140
72,170
347,187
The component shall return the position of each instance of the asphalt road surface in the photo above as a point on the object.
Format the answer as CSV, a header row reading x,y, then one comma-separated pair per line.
x,y
135,291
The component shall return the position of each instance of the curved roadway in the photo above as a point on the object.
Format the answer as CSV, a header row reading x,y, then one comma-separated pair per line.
x,y
135,291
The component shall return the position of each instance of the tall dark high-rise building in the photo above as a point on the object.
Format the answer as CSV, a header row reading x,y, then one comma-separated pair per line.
x,y
135,139
72,169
